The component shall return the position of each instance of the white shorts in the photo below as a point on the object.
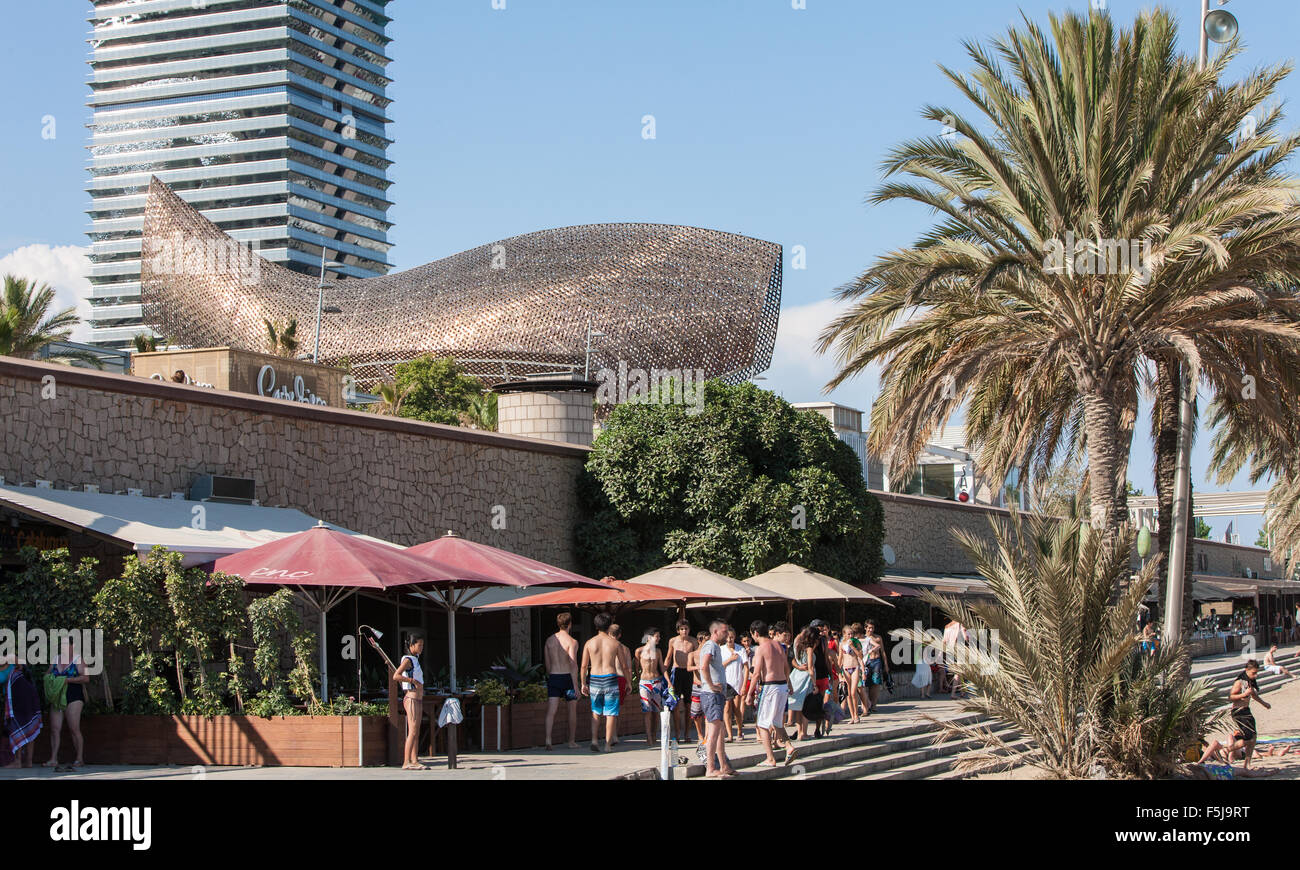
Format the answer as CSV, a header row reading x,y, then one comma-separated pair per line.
x,y
771,705
1273,669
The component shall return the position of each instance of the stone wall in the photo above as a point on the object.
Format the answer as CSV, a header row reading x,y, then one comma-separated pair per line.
x,y
397,479
919,530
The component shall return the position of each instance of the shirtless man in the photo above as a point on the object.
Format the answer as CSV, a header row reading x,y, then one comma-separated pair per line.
x,y
1272,667
1243,689
771,684
561,654
650,685
679,653
602,665
625,656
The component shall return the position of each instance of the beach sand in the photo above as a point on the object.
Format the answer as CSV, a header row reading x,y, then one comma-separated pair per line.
x,y
1281,721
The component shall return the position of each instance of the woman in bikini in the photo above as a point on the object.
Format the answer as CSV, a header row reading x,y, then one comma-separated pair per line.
x,y
411,676
850,672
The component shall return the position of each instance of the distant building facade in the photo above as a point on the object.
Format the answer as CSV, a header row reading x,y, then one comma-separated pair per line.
x,y
268,116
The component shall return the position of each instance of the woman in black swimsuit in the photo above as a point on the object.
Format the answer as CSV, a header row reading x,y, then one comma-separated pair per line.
x,y
70,667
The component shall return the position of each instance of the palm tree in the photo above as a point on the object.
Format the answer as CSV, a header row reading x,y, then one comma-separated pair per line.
x,y
1108,137
481,413
148,343
391,397
26,323
282,340
1056,657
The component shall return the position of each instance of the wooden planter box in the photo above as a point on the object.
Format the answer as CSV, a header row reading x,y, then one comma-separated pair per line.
x,y
287,741
523,726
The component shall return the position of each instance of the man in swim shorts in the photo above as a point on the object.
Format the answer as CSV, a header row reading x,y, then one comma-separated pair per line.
x,y
769,688
602,665
561,655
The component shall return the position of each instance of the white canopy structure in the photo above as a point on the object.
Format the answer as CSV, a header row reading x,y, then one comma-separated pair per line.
x,y
200,531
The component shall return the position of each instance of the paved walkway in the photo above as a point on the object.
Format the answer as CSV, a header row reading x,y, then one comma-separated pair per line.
x,y
630,755
538,764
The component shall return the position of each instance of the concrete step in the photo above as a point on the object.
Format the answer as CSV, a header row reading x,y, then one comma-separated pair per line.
x,y
913,761
942,766
811,754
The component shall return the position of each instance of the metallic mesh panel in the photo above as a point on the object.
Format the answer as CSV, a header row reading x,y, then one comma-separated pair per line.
x,y
665,296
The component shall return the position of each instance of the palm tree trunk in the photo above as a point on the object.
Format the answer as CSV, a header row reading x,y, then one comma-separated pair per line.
x,y
1169,374
1106,459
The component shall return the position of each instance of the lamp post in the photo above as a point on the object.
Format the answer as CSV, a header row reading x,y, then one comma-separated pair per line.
x,y
586,372
1218,26
320,298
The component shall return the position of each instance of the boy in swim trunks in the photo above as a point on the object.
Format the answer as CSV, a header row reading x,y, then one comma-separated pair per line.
x,y
679,651
697,704
1243,689
561,655
602,665
651,682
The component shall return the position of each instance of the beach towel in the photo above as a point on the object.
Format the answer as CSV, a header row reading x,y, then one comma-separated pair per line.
x,y
22,716
450,714
56,692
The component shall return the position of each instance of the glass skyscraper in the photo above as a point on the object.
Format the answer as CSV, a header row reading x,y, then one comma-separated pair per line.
x,y
267,115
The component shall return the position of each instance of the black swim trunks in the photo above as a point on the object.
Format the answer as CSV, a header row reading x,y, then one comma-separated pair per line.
x,y
560,686
683,681
1245,722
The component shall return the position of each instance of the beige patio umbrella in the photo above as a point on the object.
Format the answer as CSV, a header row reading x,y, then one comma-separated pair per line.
x,y
798,583
702,581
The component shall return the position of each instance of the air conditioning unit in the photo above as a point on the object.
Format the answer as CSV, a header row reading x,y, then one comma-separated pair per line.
x,y
224,490
44,484
90,487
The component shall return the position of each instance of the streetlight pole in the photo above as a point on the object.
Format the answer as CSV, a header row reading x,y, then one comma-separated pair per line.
x,y
1187,396
320,299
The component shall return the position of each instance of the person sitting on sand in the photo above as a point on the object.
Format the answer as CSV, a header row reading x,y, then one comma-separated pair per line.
x,y
1272,667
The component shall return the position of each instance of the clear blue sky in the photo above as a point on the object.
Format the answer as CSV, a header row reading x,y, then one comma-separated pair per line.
x,y
771,122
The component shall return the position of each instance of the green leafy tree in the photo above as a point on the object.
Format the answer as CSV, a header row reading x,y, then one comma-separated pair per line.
x,y
1202,530
742,486
132,610
434,389
271,619
51,591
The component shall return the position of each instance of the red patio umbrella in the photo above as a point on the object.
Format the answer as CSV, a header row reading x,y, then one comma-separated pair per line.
x,y
618,595
475,567
324,566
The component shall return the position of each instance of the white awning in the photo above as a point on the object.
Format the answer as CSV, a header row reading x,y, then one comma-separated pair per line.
x,y
200,531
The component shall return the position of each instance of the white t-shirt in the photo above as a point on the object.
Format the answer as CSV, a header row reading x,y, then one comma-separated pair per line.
x,y
415,671
716,672
735,670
